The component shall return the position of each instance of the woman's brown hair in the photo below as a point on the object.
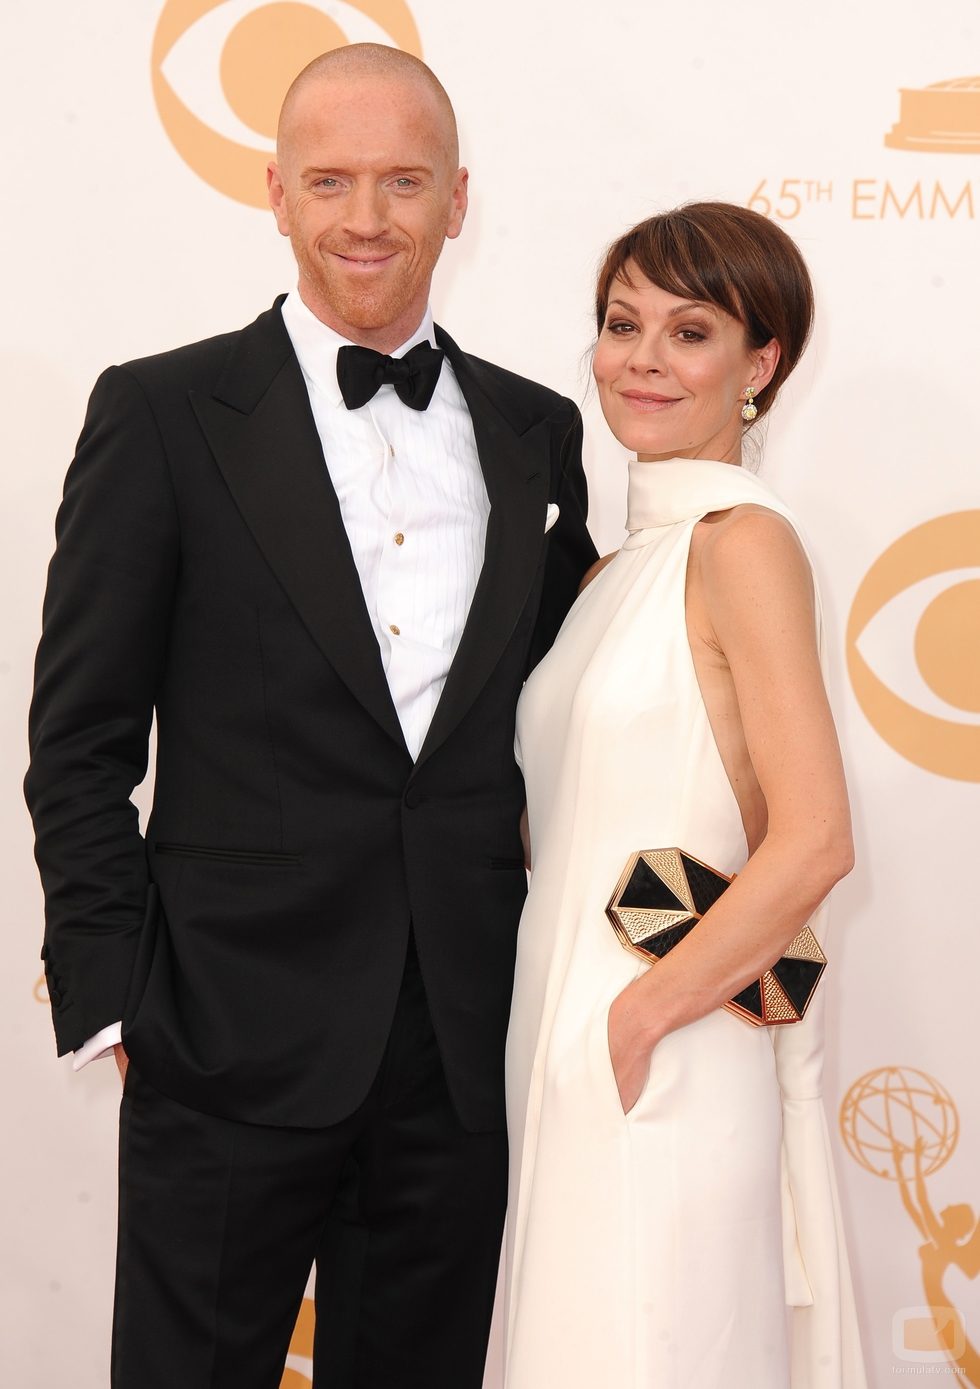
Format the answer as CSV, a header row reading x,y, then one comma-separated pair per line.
x,y
725,255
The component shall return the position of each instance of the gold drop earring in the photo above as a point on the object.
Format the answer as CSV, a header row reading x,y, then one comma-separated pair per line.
x,y
749,411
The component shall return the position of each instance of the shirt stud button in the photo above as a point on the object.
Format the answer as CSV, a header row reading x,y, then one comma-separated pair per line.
x,y
395,631
399,538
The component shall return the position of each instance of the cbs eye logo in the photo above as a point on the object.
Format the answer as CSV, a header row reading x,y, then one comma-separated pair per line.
x,y
930,579
221,68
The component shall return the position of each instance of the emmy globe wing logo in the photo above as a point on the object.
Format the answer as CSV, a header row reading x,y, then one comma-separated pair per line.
x,y
902,1125
929,583
942,118
221,68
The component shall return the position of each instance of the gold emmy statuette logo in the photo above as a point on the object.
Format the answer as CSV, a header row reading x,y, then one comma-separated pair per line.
x,y
255,57
946,646
902,1125
942,118
300,1349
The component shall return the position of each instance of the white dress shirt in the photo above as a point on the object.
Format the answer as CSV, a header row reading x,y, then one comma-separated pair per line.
x,y
415,508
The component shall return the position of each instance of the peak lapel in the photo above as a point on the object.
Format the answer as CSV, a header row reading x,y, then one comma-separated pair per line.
x,y
260,428
517,480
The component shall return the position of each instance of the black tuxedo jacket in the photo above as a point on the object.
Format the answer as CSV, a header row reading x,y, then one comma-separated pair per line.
x,y
253,944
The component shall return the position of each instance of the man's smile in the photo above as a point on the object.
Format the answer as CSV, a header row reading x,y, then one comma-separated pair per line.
x,y
364,264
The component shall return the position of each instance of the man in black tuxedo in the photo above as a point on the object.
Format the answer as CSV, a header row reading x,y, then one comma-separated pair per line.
x,y
331,596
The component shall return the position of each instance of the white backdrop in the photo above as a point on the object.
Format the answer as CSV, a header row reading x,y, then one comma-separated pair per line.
x,y
575,122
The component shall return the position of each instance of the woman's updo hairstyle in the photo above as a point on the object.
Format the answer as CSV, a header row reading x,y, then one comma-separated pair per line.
x,y
725,255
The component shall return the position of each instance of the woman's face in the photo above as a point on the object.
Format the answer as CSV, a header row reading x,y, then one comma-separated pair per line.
x,y
672,373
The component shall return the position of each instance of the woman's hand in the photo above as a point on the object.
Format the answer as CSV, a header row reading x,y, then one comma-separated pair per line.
x,y
630,1048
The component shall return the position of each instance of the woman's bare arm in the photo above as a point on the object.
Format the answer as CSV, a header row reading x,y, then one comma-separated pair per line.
x,y
595,569
757,595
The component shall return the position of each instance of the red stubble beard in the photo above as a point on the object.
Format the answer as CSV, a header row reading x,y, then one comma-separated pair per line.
x,y
368,300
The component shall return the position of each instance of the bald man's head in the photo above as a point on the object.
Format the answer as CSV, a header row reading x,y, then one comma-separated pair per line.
x,y
356,62
367,187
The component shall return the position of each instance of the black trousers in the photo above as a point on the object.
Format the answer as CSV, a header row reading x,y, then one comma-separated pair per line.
x,y
219,1223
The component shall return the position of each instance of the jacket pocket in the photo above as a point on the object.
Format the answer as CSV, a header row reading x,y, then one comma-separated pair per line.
x,y
259,857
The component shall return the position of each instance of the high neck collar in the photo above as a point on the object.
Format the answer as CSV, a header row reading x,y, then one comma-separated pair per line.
x,y
661,494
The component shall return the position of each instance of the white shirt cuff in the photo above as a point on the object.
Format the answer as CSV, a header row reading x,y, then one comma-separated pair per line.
x,y
98,1046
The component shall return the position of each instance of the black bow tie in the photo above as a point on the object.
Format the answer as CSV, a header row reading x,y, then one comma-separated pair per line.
x,y
361,371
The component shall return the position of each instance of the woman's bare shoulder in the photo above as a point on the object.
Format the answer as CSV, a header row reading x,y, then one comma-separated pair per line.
x,y
749,538
753,576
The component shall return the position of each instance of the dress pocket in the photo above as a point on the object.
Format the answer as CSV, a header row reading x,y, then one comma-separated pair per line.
x,y
600,1063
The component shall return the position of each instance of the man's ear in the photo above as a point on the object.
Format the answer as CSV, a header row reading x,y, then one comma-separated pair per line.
x,y
277,197
460,200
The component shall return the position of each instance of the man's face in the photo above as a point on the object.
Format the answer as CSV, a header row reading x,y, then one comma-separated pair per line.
x,y
366,190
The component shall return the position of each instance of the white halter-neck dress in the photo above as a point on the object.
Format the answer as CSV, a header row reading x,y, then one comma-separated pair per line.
x,y
695,1243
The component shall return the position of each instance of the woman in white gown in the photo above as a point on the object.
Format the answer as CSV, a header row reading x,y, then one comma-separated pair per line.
x,y
673,1217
